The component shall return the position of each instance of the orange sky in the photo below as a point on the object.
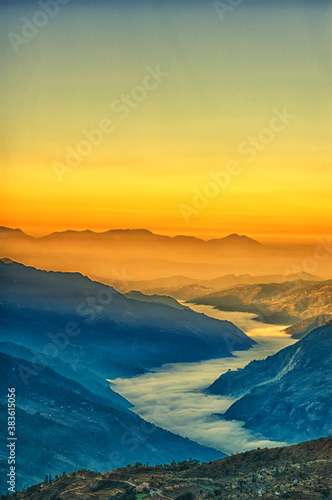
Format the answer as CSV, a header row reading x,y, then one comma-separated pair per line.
x,y
189,101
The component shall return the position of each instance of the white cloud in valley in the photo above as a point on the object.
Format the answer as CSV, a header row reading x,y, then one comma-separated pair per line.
x,y
173,396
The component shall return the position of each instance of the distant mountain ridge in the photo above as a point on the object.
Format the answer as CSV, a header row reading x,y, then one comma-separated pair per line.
x,y
129,233
139,254
301,329
185,288
281,303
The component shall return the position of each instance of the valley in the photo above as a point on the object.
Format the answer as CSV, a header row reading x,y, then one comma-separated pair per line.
x,y
174,396
138,374
166,250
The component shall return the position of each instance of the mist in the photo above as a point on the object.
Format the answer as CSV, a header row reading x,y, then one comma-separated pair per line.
x,y
173,396
127,255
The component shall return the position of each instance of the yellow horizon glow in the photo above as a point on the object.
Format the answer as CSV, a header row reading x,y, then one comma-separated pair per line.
x,y
201,116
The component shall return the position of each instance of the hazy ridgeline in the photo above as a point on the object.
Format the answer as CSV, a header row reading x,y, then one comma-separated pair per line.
x,y
123,256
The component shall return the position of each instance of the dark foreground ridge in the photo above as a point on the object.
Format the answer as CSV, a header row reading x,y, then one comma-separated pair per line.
x,y
300,472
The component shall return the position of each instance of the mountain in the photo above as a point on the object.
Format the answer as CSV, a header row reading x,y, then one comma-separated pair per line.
x,y
135,255
226,281
186,292
185,288
70,428
232,238
93,327
231,280
157,299
300,472
7,233
287,396
301,329
281,303
83,376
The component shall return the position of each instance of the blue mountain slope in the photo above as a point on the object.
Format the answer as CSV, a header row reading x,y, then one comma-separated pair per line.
x,y
93,327
287,396
84,376
61,426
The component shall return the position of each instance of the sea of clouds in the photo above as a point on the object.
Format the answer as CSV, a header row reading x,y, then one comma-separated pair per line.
x,y
173,396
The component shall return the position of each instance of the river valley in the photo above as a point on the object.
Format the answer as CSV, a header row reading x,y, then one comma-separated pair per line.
x,y
174,397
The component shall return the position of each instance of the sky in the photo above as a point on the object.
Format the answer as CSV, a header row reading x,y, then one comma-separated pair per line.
x,y
180,117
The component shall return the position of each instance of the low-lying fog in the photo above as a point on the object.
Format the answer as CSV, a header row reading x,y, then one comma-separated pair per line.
x,y
172,397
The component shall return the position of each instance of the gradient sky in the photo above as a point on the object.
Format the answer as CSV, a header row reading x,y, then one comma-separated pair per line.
x,y
225,78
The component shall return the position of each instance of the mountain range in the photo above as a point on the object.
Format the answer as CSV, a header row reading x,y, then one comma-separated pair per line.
x,y
89,316
185,288
157,299
62,336
133,255
96,328
301,329
279,303
287,396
